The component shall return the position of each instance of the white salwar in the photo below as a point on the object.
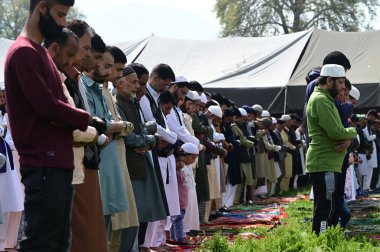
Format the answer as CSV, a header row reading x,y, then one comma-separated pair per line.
x,y
11,195
191,219
372,162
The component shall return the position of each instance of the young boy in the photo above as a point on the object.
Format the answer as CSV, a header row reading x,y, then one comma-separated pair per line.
x,y
191,219
176,230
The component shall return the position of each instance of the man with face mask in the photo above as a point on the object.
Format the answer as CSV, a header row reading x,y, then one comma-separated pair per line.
x,y
36,99
329,142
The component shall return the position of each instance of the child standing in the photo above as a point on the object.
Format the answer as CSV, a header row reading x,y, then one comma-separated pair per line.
x,y
191,219
176,230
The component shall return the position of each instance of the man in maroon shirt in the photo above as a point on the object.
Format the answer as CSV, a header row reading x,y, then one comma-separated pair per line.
x,y
42,126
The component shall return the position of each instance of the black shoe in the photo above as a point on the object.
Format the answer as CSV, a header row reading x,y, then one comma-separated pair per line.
x,y
224,209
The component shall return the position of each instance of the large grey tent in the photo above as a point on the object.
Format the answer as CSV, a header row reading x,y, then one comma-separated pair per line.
x,y
266,70
270,71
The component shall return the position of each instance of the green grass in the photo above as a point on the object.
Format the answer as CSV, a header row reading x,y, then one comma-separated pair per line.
x,y
294,236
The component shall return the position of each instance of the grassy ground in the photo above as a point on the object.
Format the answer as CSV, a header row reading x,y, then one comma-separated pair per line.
x,y
294,235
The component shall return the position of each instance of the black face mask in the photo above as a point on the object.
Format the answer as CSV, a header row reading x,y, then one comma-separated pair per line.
x,y
48,27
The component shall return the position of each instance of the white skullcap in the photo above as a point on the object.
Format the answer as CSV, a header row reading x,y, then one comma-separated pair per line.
x,y
190,148
265,113
190,95
355,93
2,86
215,110
333,70
203,98
215,102
179,79
257,108
274,120
285,118
243,112
196,95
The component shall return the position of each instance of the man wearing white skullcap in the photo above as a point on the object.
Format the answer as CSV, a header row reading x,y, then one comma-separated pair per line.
x,y
329,142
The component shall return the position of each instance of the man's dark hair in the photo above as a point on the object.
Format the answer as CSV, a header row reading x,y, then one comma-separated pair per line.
x,y
347,84
117,54
337,58
207,94
97,44
179,152
372,112
62,39
140,69
163,71
33,3
211,103
195,86
166,97
79,27
323,79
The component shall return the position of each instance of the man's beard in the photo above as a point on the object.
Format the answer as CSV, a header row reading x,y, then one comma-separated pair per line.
x,y
333,91
48,27
98,77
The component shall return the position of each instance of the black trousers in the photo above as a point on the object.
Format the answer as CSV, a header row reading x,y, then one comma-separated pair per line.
x,y
48,200
325,196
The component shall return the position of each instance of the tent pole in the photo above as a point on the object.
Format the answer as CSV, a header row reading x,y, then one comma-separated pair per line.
x,y
285,100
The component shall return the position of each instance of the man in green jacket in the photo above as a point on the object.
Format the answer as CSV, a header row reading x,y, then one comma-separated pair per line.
x,y
329,141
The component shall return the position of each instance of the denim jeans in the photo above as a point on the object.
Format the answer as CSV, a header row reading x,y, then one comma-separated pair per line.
x,y
345,215
176,230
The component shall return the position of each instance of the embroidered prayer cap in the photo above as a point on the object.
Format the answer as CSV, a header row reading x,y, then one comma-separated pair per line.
x,y
274,120
333,70
128,70
190,148
257,108
215,110
243,112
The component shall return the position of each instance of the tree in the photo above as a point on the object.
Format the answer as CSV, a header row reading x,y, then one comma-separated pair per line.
x,y
273,17
13,14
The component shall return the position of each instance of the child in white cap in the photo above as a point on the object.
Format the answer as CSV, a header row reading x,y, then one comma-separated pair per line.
x,y
191,220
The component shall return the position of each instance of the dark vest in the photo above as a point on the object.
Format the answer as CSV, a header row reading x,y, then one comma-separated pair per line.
x,y
91,158
129,111
156,111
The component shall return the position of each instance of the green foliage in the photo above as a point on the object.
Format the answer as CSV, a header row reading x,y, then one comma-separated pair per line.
x,y
13,14
294,236
272,17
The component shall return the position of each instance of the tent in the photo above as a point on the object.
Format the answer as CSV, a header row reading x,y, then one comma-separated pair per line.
x,y
266,70
4,45
361,48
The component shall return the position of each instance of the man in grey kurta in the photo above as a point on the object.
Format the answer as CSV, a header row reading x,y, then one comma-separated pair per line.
x,y
150,205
